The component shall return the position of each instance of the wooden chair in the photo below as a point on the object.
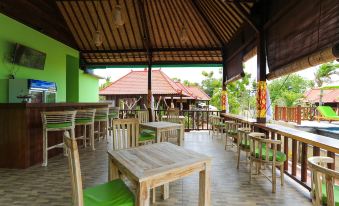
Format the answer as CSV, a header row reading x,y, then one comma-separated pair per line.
x,y
217,125
113,113
264,151
146,135
243,143
56,121
125,133
85,118
114,193
324,191
101,116
172,113
172,136
231,132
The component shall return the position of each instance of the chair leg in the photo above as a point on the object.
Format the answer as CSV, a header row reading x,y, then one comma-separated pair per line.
x,y
92,136
282,174
45,151
99,130
238,157
274,178
153,195
85,136
251,165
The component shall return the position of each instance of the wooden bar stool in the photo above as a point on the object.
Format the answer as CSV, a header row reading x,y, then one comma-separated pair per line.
x,y
146,136
243,143
56,121
85,118
217,125
101,116
231,132
113,113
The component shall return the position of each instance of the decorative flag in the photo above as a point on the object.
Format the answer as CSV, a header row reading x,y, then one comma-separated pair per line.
x,y
261,99
224,100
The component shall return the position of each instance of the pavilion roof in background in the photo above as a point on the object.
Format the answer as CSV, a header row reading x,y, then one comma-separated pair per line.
x,y
135,83
329,95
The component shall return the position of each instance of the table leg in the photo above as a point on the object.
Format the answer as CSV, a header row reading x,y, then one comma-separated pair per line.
x,y
165,191
113,172
158,132
182,134
143,194
204,186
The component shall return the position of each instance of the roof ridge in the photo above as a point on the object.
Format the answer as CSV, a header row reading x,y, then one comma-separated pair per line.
x,y
169,80
117,80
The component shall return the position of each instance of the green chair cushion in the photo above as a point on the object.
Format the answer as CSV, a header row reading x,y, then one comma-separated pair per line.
x,y
220,124
114,193
245,144
83,120
59,125
113,115
148,132
327,111
324,195
232,132
100,118
146,137
280,156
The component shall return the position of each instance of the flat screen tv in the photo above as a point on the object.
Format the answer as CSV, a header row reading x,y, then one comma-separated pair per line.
x,y
29,57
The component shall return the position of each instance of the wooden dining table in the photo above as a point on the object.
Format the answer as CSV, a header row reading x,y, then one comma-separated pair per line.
x,y
154,165
162,126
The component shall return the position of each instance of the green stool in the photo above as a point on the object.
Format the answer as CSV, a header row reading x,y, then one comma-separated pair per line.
x,y
101,117
56,121
113,113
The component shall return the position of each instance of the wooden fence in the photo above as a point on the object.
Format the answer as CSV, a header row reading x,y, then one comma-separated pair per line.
x,y
294,114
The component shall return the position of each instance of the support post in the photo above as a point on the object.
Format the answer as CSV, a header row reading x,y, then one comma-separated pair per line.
x,y
224,79
149,88
261,78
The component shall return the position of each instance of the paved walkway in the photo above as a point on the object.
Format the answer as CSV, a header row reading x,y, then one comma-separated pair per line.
x,y
51,185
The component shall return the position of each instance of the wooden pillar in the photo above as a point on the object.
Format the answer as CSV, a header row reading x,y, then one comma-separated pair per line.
x,y
149,87
261,78
223,100
304,162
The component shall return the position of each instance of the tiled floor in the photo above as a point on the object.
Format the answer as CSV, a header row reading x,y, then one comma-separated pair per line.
x,y
51,185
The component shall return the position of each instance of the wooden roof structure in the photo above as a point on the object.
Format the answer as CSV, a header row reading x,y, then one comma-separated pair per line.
x,y
294,34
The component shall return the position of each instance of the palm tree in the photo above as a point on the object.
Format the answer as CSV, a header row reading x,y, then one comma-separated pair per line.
x,y
324,73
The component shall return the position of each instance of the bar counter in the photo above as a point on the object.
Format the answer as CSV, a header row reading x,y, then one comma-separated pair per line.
x,y
21,132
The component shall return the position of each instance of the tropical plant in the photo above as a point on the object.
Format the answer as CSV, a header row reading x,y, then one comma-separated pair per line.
x,y
107,83
324,73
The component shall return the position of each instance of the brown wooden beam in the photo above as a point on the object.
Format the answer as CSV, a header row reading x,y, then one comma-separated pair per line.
x,y
304,147
245,15
153,63
153,50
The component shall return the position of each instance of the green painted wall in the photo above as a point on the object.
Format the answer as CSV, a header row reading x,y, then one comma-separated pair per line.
x,y
88,88
55,66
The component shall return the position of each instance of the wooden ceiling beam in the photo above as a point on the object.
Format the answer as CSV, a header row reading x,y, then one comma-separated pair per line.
x,y
208,22
155,63
246,16
153,50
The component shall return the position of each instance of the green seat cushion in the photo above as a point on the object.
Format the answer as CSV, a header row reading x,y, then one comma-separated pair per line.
x,y
245,144
100,118
59,125
280,156
220,124
146,137
324,195
148,132
113,115
114,193
232,132
83,120
327,111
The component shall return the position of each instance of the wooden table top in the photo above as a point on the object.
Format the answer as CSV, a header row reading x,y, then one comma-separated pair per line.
x,y
160,125
144,162
320,141
180,117
238,117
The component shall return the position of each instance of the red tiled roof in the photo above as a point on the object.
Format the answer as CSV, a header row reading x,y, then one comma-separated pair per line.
x,y
199,93
135,83
329,95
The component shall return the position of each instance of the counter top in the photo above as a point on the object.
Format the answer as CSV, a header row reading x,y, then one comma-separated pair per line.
x,y
61,104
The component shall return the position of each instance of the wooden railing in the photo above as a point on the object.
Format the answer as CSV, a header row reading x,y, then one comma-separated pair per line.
x,y
297,145
294,114
194,119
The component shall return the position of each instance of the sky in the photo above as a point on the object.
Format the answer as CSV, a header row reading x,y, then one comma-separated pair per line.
x,y
194,74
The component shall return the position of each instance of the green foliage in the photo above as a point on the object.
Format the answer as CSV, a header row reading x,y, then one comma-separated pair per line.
x,y
287,90
324,73
107,83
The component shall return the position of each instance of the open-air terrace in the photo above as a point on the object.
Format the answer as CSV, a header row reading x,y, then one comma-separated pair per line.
x,y
150,139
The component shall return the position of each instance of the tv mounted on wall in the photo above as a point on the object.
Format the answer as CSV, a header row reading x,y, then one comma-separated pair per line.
x,y
28,57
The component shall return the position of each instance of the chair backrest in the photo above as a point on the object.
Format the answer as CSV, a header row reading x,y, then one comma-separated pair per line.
x,y
326,111
74,168
125,133
321,174
232,126
85,114
215,119
59,117
242,135
143,116
102,112
172,113
258,141
114,111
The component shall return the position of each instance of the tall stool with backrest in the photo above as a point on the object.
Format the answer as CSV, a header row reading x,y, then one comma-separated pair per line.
x,y
113,113
231,130
243,143
114,193
217,125
172,113
125,133
85,118
264,151
324,191
56,121
146,135
101,116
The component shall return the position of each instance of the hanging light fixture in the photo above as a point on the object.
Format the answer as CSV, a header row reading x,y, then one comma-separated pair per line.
x,y
117,16
97,37
183,34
